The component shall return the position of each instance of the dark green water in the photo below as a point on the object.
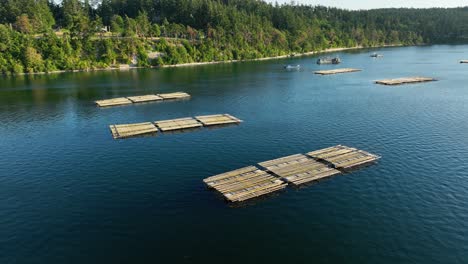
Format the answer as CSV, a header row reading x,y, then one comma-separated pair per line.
x,y
69,193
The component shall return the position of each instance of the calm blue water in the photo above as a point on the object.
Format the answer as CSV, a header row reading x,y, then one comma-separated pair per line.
x,y
69,193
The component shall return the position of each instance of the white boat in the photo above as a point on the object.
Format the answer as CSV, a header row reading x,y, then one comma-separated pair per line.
x,y
327,60
292,67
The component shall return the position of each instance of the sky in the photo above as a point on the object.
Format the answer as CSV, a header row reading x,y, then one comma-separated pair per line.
x,y
371,4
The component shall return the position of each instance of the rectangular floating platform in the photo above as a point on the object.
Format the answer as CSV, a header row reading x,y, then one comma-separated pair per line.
x,y
212,120
145,98
464,61
177,124
177,95
336,71
245,183
131,130
405,80
250,182
343,157
114,102
299,169
141,99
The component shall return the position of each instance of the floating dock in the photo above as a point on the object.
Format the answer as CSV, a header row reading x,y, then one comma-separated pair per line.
x,y
177,95
145,98
212,120
141,99
243,184
251,182
343,157
464,61
336,71
131,130
177,124
114,102
405,80
299,169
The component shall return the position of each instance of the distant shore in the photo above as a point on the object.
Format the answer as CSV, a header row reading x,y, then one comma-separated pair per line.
x,y
330,50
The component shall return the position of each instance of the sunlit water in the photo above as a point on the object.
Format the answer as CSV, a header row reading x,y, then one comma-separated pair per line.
x,y
69,193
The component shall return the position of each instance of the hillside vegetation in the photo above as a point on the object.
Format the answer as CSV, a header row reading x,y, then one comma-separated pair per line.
x,y
42,36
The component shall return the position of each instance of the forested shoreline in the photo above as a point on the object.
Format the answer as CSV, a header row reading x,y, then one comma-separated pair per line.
x,y
43,36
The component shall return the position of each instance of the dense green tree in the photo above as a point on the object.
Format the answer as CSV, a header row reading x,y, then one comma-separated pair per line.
x,y
23,24
181,31
143,24
38,13
155,30
117,24
32,60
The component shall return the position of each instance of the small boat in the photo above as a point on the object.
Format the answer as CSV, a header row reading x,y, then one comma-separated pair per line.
x,y
292,67
375,55
335,60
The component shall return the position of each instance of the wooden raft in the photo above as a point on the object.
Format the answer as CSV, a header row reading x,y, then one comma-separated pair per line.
x,y
299,169
250,182
336,71
141,99
405,80
343,157
177,95
113,102
245,183
131,130
464,61
145,98
177,124
211,120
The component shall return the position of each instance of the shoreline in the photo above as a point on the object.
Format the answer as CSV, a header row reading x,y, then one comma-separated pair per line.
x,y
192,64
309,53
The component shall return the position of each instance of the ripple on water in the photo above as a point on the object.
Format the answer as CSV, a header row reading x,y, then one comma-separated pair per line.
x,y
69,193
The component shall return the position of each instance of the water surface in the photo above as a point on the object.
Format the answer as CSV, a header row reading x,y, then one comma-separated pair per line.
x,y
69,193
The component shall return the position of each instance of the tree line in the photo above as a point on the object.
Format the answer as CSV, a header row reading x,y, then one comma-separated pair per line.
x,y
44,36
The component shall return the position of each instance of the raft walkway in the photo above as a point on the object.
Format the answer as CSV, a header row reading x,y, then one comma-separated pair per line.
x,y
245,183
298,169
406,80
141,99
177,124
251,182
343,158
131,130
337,71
